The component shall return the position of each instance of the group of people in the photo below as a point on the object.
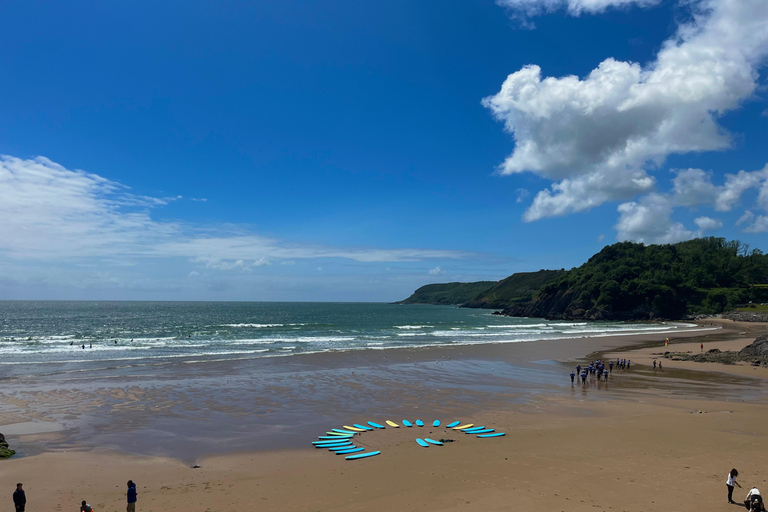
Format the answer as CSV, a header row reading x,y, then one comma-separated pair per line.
x,y
20,499
595,369
753,502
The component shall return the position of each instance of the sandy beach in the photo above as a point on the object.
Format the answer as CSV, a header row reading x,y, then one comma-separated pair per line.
x,y
644,441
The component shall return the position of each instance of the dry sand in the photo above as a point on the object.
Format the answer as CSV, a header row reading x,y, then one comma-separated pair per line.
x,y
623,450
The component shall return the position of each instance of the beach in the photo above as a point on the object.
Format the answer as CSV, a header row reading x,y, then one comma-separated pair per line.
x,y
643,441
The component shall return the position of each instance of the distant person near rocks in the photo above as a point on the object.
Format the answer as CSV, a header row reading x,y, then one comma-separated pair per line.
x,y
131,496
19,498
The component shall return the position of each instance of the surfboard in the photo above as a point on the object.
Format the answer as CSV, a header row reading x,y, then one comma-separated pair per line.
x,y
436,423
451,425
351,450
470,430
342,431
419,423
332,445
422,442
392,424
362,455
363,427
462,427
334,448
483,431
432,441
497,434
375,425
334,437
331,441
354,428
407,423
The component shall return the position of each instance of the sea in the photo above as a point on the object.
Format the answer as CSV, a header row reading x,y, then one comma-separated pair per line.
x,y
45,337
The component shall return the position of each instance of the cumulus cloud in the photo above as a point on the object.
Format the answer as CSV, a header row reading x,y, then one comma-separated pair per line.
x,y
53,213
598,137
650,221
437,271
708,224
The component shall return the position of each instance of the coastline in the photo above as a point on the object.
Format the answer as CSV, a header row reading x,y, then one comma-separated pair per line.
x,y
573,448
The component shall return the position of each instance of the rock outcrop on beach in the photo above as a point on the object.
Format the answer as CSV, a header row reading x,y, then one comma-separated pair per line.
x,y
756,353
745,316
5,451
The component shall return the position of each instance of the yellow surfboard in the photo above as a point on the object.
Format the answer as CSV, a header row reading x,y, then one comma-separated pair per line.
x,y
391,423
462,427
355,429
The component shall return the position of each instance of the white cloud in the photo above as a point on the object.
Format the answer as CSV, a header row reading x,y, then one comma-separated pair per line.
x,y
575,7
52,213
437,271
708,224
597,137
649,221
759,225
522,193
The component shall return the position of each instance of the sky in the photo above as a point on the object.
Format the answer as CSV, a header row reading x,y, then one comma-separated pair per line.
x,y
353,151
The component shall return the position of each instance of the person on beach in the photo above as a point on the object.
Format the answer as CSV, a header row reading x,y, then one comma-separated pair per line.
x,y
84,507
731,482
754,501
573,375
610,367
654,364
605,375
659,365
131,494
19,498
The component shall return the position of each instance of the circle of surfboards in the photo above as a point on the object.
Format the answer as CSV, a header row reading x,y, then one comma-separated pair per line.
x,y
339,440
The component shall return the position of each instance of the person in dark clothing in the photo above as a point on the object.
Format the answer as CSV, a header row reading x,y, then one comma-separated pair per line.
x,y
572,377
131,496
19,498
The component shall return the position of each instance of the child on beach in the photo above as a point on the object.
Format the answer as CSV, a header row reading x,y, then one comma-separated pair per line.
x,y
731,482
84,507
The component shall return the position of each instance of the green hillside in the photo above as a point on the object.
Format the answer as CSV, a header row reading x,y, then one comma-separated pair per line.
x,y
447,293
634,281
517,288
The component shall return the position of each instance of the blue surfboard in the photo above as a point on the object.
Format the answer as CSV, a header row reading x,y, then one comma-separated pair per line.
x,y
361,426
473,429
350,450
419,423
497,434
338,434
345,447
407,423
331,442
432,441
376,425
454,424
436,423
332,445
340,431
362,455
334,437
484,431
422,442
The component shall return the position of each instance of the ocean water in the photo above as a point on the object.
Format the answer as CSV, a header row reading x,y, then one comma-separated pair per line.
x,y
46,337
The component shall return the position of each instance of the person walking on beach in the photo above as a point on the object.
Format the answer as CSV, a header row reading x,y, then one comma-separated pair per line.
x,y
131,496
731,482
85,507
19,498
572,376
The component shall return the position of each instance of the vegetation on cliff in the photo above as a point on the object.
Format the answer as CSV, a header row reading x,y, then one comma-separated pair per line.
x,y
635,281
624,281
447,293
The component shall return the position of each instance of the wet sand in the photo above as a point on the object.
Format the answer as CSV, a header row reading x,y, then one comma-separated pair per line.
x,y
643,441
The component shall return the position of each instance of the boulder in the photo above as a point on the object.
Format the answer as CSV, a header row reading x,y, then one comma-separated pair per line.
x,y
758,348
5,451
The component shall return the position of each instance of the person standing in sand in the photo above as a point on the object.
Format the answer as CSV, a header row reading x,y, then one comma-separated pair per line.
x,y
131,496
731,482
19,498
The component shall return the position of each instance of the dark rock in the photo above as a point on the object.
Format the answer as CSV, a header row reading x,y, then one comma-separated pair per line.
x,y
713,351
5,451
758,348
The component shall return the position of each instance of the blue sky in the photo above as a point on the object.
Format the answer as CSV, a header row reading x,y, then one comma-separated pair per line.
x,y
302,150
